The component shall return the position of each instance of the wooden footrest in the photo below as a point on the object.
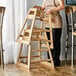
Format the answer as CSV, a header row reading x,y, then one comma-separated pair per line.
x,y
37,30
21,57
40,50
42,38
34,30
41,60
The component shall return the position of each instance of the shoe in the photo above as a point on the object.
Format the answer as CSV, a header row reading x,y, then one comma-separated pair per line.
x,y
57,64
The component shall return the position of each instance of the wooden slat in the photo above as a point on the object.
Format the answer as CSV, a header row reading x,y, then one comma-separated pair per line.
x,y
22,41
33,9
30,16
39,50
25,38
51,34
33,34
45,19
42,30
41,60
43,45
34,39
27,56
37,30
42,38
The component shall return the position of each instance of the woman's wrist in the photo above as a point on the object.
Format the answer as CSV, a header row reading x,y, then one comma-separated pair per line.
x,y
43,7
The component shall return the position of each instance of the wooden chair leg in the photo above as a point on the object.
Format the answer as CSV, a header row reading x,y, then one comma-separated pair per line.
x,y
20,50
51,36
29,57
50,54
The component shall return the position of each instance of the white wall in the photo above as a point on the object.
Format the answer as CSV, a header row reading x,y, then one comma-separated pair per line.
x,y
32,3
2,2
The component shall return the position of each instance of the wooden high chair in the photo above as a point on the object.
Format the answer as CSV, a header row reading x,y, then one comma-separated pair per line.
x,y
35,33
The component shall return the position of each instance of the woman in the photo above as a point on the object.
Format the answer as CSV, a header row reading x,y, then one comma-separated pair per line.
x,y
53,7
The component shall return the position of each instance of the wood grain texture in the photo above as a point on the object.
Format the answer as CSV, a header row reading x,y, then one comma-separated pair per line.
x,y
33,33
38,70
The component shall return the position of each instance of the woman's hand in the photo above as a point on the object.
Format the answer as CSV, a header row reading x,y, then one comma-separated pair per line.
x,y
43,7
48,11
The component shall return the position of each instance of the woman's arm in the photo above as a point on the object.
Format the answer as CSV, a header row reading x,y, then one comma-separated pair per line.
x,y
43,5
74,8
58,8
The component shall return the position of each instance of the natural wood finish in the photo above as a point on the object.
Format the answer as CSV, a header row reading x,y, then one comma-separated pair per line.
x,y
44,39
19,52
33,33
41,60
49,45
51,36
22,41
27,56
45,19
39,50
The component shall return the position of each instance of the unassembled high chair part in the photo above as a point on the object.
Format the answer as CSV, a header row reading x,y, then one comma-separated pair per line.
x,y
35,33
